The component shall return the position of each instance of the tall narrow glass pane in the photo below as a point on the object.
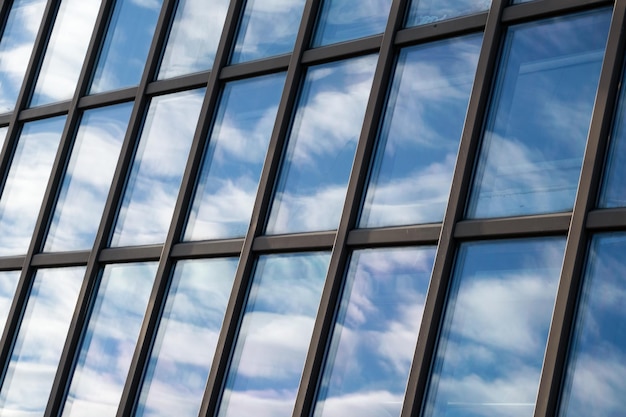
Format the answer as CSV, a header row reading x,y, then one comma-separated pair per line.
x,y
66,51
495,328
194,36
157,171
3,135
186,339
40,341
315,169
274,335
418,143
110,339
8,285
374,339
233,161
428,11
536,131
125,49
26,183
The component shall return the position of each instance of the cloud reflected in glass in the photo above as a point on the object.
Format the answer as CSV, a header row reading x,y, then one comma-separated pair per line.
x,y
344,20
427,11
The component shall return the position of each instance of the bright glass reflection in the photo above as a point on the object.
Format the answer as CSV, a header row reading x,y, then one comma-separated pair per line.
x,y
274,335
40,341
536,132
234,159
8,284
66,50
418,143
427,11
157,171
320,151
126,46
16,46
88,178
26,183
495,328
374,339
3,135
267,28
186,340
109,340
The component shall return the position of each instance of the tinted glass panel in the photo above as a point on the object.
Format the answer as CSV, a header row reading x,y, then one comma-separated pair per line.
x,y
8,284
325,130
418,143
428,11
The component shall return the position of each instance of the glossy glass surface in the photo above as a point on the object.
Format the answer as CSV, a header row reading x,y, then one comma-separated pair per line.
x,y
88,178
26,183
194,36
3,135
121,62
536,132
186,339
495,328
418,142
66,51
157,170
274,335
374,338
312,185
422,12
8,284
344,20
267,28
109,341
40,341
234,159
16,47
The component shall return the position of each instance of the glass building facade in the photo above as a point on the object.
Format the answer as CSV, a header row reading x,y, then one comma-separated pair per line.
x,y
312,208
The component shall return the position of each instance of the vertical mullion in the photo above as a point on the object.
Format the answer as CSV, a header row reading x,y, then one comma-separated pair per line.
x,y
563,318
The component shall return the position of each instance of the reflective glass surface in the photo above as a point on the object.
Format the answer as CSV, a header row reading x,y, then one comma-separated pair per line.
x,y
16,46
267,28
66,50
325,130
121,61
422,12
26,183
40,341
495,328
374,339
88,178
274,335
194,36
157,171
418,142
233,161
3,135
8,284
186,339
109,342
537,127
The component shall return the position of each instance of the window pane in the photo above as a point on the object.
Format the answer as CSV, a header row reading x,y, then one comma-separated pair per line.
x,y
417,146
187,336
109,340
26,183
427,11
40,341
121,62
157,171
320,151
536,132
374,339
495,328
8,285
274,335
233,161
66,50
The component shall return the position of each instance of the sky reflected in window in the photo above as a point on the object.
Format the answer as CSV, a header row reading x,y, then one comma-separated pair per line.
x,y
8,285
422,12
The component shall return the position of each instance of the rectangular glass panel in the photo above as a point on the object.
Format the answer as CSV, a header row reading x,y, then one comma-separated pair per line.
x,y
535,134
26,183
109,342
495,328
422,12
418,142
232,165
8,285
157,171
374,338
316,167
88,178
40,341
274,336
187,337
